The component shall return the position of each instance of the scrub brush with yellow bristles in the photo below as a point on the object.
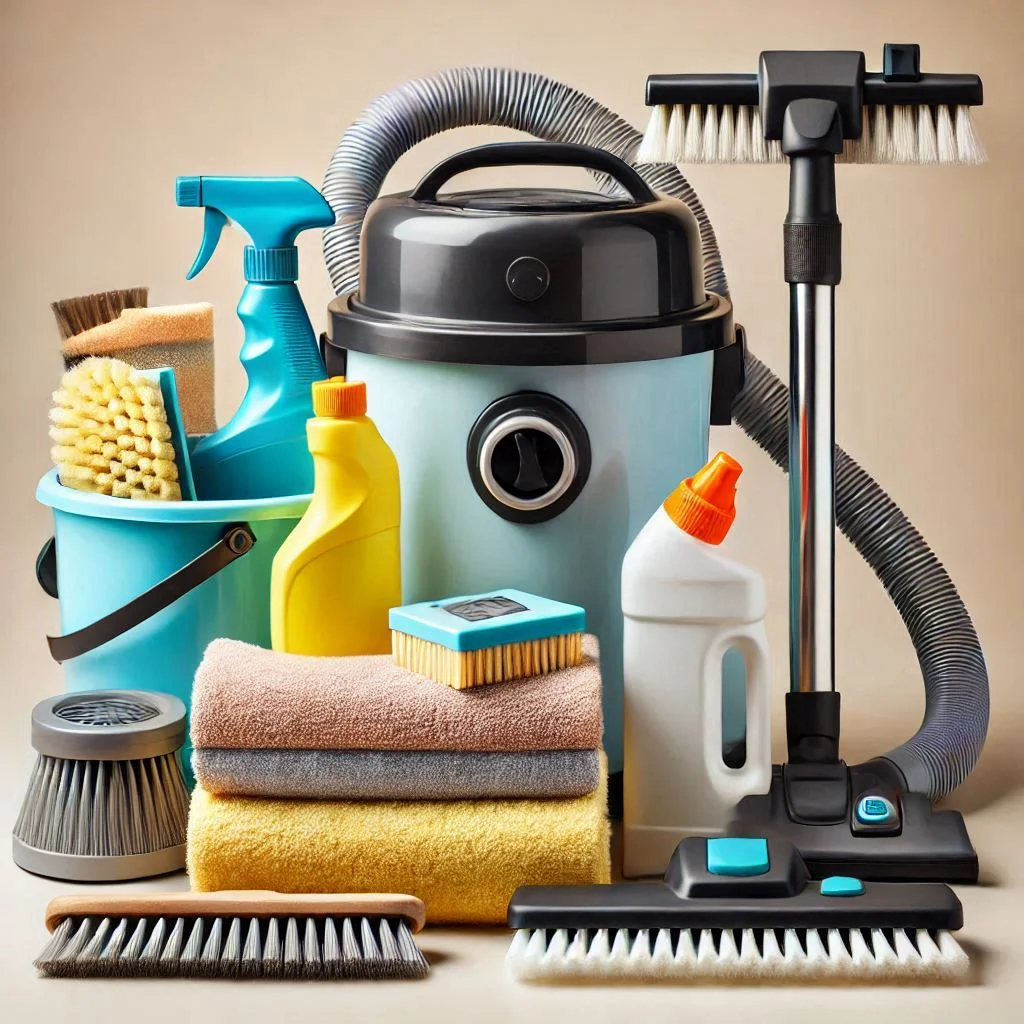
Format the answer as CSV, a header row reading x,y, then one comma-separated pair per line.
x,y
487,638
117,430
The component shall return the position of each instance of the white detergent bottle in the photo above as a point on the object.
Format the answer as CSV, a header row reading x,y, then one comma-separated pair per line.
x,y
685,605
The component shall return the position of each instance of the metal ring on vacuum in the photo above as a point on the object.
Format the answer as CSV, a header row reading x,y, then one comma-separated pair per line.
x,y
510,426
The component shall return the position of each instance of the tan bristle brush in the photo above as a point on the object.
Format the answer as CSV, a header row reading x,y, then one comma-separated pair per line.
x,y
906,117
487,638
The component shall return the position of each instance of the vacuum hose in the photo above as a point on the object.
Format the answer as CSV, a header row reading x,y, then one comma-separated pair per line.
x,y
948,743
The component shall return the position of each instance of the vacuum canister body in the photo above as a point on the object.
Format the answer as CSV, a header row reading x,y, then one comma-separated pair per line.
x,y
541,363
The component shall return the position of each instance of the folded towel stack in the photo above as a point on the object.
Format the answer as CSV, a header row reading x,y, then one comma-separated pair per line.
x,y
352,774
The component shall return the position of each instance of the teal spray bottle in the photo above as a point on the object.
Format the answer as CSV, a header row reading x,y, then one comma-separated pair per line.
x,y
261,452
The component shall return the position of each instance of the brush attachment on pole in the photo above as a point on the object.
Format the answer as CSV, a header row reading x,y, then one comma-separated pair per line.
x,y
106,801
738,911
902,116
305,936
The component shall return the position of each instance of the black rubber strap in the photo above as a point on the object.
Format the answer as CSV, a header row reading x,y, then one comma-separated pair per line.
x,y
236,541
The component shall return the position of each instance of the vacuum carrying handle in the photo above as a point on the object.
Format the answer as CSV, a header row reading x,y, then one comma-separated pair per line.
x,y
236,541
550,154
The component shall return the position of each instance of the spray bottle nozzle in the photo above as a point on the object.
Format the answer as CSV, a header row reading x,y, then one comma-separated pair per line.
x,y
271,211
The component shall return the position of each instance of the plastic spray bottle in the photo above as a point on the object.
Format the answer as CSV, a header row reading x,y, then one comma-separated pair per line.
x,y
338,573
261,451
686,606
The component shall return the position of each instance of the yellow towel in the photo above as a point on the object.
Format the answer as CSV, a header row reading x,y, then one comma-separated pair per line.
x,y
463,858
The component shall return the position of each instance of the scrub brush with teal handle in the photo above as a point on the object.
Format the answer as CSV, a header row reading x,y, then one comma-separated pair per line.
x,y
261,452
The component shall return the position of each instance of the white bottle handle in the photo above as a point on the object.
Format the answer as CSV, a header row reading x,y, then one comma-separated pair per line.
x,y
732,784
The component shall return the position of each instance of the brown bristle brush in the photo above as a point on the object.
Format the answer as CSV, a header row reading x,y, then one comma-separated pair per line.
x,y
83,312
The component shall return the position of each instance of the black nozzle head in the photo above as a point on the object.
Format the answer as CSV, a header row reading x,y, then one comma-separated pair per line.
x,y
812,127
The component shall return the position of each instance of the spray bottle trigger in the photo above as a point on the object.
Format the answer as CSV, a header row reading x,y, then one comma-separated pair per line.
x,y
213,225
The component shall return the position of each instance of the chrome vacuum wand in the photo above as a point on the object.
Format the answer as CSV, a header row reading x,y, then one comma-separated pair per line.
x,y
812,137
811,488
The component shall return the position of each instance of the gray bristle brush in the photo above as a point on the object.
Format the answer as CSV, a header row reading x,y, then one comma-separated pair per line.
x,y
901,116
106,801
306,936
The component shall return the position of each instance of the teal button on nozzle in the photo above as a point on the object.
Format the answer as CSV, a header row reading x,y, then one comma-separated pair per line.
x,y
841,885
738,858
876,810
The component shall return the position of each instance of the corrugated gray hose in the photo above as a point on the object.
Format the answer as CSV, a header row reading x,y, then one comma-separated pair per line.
x,y
948,743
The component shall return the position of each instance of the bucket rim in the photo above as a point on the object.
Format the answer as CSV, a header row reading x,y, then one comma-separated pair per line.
x,y
52,493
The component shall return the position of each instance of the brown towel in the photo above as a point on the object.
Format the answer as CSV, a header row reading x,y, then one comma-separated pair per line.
x,y
246,697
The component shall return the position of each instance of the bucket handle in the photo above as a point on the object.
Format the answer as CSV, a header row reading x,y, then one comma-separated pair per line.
x,y
236,541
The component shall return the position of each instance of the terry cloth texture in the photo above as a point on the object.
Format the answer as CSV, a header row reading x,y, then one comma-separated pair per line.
x,y
397,774
151,336
463,858
246,697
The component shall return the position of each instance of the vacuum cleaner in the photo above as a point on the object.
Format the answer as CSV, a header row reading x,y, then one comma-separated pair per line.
x,y
874,820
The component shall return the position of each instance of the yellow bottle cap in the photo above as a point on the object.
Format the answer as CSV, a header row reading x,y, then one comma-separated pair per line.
x,y
338,398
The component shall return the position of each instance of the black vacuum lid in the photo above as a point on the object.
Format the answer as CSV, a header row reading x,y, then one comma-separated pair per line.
x,y
538,276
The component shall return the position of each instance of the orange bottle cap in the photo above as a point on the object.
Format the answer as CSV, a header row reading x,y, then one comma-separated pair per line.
x,y
705,504
338,398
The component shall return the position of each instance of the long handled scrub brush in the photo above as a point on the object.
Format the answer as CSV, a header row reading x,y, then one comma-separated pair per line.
x,y
813,109
738,911
240,934
904,116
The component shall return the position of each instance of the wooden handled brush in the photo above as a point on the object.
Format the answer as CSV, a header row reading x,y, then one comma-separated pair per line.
x,y
234,934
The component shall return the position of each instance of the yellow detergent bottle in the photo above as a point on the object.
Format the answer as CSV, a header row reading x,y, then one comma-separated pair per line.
x,y
339,571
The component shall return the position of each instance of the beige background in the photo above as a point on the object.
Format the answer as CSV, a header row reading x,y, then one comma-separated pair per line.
x,y
103,103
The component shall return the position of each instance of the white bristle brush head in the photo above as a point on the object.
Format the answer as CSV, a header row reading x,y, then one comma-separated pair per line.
x,y
709,143
676,133
726,136
654,148
902,134
693,140
758,147
969,147
927,142
945,136
741,149
738,956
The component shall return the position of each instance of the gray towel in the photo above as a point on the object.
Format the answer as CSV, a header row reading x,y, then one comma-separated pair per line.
x,y
397,774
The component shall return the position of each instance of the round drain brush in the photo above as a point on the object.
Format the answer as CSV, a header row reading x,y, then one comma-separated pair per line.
x,y
107,801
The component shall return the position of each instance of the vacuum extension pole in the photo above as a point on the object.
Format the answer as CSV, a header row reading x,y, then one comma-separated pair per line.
x,y
812,136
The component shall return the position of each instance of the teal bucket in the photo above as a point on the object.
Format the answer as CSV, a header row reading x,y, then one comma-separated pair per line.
x,y
144,586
